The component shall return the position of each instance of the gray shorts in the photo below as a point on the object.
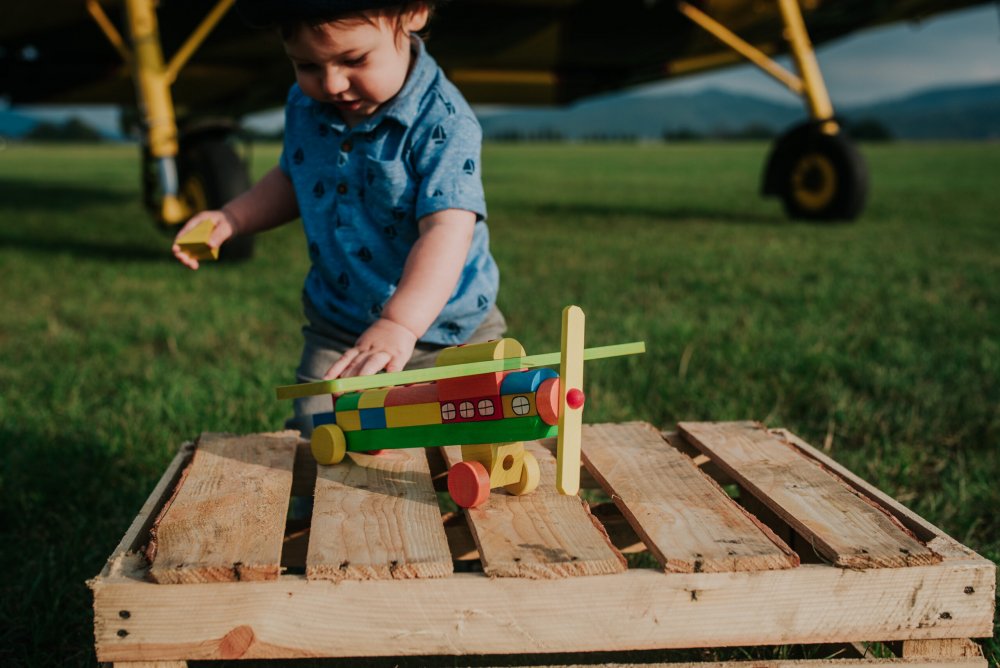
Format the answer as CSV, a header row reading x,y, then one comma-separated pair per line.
x,y
325,343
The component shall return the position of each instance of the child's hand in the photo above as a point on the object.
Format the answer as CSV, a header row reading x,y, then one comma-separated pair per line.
x,y
385,345
224,229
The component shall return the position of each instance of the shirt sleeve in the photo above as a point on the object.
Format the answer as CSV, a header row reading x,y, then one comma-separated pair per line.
x,y
447,160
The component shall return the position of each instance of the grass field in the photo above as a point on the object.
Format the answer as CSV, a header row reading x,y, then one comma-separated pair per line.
x,y
878,341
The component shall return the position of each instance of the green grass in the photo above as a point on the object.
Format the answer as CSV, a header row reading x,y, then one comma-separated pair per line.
x,y
879,340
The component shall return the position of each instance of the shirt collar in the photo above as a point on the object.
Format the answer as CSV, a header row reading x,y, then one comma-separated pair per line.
x,y
403,107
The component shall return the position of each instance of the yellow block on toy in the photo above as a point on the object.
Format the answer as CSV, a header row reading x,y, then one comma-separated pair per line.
x,y
372,399
349,420
413,415
195,242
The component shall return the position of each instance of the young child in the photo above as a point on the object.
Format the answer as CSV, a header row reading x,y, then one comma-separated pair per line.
x,y
381,160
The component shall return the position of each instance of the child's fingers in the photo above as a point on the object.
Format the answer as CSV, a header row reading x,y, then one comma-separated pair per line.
x,y
372,364
184,258
340,365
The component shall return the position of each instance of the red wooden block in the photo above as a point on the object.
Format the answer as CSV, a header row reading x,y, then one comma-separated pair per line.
x,y
481,385
547,401
424,393
474,409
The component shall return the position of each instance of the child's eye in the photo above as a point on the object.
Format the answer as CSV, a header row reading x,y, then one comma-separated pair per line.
x,y
355,62
305,67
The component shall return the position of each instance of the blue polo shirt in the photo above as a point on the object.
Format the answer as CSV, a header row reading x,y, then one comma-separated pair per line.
x,y
361,192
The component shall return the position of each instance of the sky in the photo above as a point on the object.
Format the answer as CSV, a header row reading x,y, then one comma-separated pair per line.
x,y
876,64
956,48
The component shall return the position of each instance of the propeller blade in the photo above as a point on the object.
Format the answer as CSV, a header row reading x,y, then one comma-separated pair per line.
x,y
571,401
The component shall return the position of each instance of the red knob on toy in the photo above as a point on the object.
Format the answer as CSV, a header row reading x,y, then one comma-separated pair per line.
x,y
575,398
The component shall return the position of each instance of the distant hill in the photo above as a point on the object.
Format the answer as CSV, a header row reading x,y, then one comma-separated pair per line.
x,y
967,112
961,112
13,124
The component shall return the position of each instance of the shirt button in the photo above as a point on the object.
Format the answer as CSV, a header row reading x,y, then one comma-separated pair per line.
x,y
342,188
346,147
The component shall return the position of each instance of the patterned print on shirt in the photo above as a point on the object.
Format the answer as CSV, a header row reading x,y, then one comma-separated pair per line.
x,y
318,189
323,130
452,328
298,157
438,135
344,281
390,231
482,301
364,254
469,167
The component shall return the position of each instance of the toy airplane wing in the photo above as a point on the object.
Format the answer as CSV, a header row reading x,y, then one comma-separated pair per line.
x,y
359,383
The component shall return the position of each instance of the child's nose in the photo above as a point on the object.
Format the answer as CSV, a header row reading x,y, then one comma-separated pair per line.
x,y
334,82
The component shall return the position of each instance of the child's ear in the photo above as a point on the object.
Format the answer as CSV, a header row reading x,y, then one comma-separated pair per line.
x,y
417,16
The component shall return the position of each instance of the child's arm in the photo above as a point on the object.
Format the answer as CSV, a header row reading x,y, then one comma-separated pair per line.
x,y
269,203
430,275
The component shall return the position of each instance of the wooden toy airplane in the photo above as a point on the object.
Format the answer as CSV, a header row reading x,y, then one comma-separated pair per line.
x,y
487,397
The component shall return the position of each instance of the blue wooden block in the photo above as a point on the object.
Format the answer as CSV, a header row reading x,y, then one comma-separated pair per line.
x,y
525,382
324,418
372,418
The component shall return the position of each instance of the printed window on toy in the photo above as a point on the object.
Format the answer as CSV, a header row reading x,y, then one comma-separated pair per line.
x,y
520,405
486,407
466,409
448,411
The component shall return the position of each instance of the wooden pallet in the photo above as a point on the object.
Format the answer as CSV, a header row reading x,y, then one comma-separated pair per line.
x,y
810,554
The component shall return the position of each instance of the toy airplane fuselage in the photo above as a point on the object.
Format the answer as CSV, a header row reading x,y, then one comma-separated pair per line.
x,y
485,408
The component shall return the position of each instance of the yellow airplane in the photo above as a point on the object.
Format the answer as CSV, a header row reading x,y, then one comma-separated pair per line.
x,y
188,68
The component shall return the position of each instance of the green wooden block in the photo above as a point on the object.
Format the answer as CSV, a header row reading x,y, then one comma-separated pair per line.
x,y
461,433
349,401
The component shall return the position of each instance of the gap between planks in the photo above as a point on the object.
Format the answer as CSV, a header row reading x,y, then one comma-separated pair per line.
x,y
847,529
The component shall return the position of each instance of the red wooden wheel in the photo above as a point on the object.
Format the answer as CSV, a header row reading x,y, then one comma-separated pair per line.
x,y
468,484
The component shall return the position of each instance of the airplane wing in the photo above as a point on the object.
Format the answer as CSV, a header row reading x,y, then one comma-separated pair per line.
x,y
496,51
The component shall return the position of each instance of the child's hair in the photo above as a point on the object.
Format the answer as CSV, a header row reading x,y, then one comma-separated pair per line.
x,y
291,16
394,15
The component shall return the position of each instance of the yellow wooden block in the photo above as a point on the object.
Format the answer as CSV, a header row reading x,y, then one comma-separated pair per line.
x,y
195,242
503,461
349,420
508,459
373,398
413,415
524,401
481,352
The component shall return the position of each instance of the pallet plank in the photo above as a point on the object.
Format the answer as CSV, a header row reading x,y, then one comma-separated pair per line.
x,y
688,522
226,519
845,528
473,614
540,535
377,517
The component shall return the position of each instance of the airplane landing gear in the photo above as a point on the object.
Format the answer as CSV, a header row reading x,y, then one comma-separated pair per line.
x,y
819,176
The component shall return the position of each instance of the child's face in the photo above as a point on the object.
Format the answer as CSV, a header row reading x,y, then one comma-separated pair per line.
x,y
354,65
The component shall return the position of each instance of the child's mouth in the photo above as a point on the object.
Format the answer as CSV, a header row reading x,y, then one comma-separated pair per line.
x,y
349,105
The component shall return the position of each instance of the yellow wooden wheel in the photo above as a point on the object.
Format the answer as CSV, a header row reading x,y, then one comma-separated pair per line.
x,y
530,475
328,444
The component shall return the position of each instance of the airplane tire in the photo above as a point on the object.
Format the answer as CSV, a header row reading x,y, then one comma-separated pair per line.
x,y
818,176
211,173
